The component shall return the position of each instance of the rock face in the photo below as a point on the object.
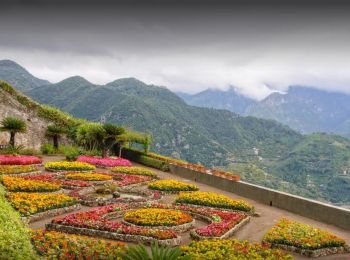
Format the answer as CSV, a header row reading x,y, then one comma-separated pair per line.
x,y
36,126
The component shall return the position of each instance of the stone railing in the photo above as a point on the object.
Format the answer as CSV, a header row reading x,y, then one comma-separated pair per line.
x,y
319,211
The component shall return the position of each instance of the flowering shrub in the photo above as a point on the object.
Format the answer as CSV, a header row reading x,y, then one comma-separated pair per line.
x,y
17,169
212,199
31,203
69,166
125,179
157,217
57,245
104,162
231,249
172,185
134,171
88,176
292,233
21,184
19,160
93,219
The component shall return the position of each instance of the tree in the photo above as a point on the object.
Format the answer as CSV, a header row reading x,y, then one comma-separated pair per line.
x,y
97,136
55,132
13,125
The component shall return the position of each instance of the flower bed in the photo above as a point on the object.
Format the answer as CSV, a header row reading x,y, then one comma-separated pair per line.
x,y
172,186
22,184
212,199
134,171
88,176
96,223
19,160
69,166
303,238
222,223
31,203
231,249
104,162
73,184
125,179
57,245
17,169
157,217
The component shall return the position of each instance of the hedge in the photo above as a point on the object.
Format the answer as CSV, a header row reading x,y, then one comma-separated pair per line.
x,y
14,236
142,158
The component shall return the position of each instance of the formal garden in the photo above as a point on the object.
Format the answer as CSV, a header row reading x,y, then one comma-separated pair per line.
x,y
97,206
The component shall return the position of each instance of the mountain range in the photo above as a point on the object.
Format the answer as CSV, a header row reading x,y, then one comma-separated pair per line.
x,y
304,109
262,151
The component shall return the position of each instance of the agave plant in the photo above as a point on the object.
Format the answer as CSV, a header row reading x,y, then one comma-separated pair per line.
x,y
157,252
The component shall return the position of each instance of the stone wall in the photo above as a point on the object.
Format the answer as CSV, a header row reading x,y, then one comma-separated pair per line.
x,y
305,207
36,126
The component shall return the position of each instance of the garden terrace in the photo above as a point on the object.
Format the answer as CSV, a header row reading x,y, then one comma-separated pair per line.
x,y
213,222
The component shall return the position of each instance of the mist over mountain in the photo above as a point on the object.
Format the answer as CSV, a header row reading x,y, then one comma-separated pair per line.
x,y
262,151
304,109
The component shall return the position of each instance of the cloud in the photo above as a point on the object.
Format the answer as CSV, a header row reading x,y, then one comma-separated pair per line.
x,y
257,50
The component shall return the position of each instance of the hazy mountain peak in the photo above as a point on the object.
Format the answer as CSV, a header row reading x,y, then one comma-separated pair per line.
x,y
77,80
18,76
126,81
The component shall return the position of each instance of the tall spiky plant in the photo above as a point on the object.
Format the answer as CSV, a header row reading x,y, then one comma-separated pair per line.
x,y
13,125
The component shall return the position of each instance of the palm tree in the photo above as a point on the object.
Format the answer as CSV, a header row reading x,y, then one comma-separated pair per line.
x,y
13,125
55,132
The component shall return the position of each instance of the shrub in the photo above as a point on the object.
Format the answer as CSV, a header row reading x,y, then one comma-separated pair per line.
x,y
29,151
48,149
14,237
71,152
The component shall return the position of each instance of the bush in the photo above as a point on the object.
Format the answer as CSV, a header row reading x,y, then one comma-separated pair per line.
x,y
29,151
48,149
14,238
140,157
71,152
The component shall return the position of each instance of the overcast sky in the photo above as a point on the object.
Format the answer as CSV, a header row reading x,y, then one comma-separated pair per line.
x,y
258,49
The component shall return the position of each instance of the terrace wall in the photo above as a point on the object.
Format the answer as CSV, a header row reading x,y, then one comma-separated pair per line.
x,y
305,207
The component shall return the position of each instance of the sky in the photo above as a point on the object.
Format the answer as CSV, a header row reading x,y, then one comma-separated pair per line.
x,y
256,48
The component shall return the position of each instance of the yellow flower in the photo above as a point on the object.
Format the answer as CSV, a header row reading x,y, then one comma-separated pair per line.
x,y
157,217
212,199
134,171
172,185
88,176
69,166
17,169
31,203
21,184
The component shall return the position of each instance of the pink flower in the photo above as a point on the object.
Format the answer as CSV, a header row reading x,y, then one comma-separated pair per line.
x,y
19,160
104,162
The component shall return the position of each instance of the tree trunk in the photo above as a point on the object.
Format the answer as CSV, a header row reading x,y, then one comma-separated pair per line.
x,y
55,142
12,139
104,153
120,151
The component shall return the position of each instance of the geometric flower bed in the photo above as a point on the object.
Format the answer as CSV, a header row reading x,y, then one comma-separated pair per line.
x,y
97,222
222,223
31,203
19,160
21,184
157,217
172,186
73,184
88,176
126,179
231,249
69,166
212,199
104,162
302,238
134,171
150,221
17,169
57,245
